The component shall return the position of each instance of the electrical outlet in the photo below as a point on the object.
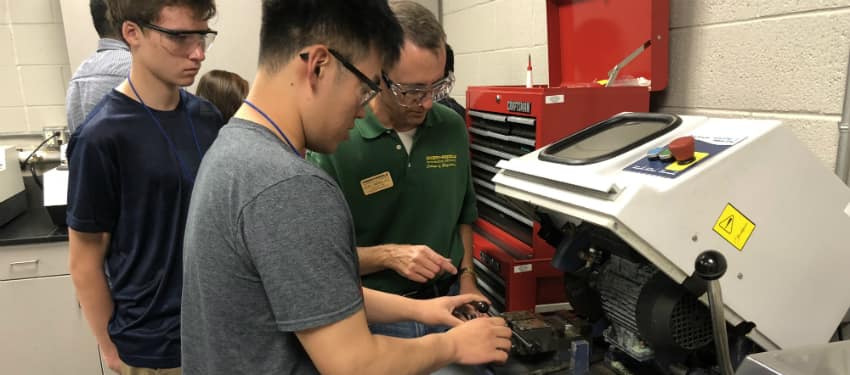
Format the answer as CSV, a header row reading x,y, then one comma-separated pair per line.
x,y
53,143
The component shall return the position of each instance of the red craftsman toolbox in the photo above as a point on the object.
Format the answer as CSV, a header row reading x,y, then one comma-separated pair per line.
x,y
587,41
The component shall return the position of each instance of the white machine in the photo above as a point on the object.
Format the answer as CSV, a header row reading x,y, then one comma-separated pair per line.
x,y
639,197
13,199
56,193
56,188
832,358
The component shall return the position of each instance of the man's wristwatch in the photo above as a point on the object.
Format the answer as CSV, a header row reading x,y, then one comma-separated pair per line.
x,y
467,270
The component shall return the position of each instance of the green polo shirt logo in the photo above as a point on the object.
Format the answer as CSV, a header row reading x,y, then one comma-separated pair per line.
x,y
441,161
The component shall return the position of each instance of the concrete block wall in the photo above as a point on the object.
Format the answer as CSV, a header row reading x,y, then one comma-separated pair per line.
x,y
34,68
35,53
762,59
492,40
730,58
753,58
432,5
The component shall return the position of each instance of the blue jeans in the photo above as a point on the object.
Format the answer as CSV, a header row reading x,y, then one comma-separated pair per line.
x,y
410,329
407,329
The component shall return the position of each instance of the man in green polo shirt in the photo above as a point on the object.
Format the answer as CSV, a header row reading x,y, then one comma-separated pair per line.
x,y
406,176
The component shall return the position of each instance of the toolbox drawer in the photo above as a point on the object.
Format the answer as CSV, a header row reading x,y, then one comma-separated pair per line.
x,y
33,260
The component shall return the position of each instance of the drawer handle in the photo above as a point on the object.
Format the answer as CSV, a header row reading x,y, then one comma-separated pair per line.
x,y
34,262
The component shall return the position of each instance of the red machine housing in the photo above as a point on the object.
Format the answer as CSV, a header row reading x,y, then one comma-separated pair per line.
x,y
586,38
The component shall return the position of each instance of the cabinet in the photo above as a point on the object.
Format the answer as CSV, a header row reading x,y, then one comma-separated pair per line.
x,y
42,328
586,40
512,260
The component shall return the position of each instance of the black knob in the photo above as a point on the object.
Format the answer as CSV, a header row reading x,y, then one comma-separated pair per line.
x,y
480,306
710,265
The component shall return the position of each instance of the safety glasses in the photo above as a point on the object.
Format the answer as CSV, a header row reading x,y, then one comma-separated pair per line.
x,y
413,95
183,42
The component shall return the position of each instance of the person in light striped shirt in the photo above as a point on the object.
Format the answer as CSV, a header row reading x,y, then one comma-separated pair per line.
x,y
101,72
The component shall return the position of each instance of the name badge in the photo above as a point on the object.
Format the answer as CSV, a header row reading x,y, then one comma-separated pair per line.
x,y
376,183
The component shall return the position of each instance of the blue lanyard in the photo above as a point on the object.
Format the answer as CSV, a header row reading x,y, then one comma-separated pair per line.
x,y
183,168
269,119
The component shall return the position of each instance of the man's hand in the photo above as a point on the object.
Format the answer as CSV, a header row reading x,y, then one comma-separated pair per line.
x,y
418,262
468,286
110,357
438,311
86,257
481,341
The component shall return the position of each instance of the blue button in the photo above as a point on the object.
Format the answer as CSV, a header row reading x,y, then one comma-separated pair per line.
x,y
653,154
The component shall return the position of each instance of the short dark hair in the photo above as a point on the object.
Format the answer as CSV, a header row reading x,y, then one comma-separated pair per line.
x,y
148,10
224,89
450,60
100,19
348,26
420,25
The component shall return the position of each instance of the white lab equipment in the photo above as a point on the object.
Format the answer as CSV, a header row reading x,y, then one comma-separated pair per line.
x,y
637,198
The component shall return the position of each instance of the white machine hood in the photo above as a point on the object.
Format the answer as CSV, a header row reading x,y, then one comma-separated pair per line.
x,y
786,233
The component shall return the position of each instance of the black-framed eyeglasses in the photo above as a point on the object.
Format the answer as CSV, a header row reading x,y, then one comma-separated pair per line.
x,y
371,89
412,95
184,41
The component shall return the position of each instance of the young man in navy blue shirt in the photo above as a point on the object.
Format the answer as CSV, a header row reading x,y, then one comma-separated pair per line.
x,y
132,168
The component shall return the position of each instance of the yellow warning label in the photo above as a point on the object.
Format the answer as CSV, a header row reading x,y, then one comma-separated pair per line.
x,y
676,167
734,227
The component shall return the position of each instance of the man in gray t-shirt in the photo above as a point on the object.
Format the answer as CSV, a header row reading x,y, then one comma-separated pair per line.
x,y
98,74
270,282
277,253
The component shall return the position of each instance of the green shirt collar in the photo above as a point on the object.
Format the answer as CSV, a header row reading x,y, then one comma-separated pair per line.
x,y
370,127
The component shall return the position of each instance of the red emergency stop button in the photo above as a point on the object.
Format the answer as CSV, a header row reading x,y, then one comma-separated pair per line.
x,y
683,149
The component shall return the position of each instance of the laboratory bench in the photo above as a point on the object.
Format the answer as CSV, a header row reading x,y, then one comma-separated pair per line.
x,y
33,226
41,323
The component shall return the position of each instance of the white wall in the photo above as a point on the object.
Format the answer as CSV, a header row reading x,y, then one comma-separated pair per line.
x,y
238,43
491,40
34,67
80,36
43,41
432,5
754,59
762,59
235,48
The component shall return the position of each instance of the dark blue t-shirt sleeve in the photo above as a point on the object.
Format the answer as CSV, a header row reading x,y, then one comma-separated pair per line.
x,y
92,185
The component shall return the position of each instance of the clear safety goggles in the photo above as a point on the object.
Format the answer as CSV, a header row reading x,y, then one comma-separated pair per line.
x,y
413,95
183,42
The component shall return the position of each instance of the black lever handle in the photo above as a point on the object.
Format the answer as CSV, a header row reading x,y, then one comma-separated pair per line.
x,y
479,306
710,266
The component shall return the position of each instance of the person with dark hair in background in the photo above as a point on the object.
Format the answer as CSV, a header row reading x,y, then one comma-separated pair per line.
x,y
224,89
101,72
132,165
271,282
405,173
448,101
